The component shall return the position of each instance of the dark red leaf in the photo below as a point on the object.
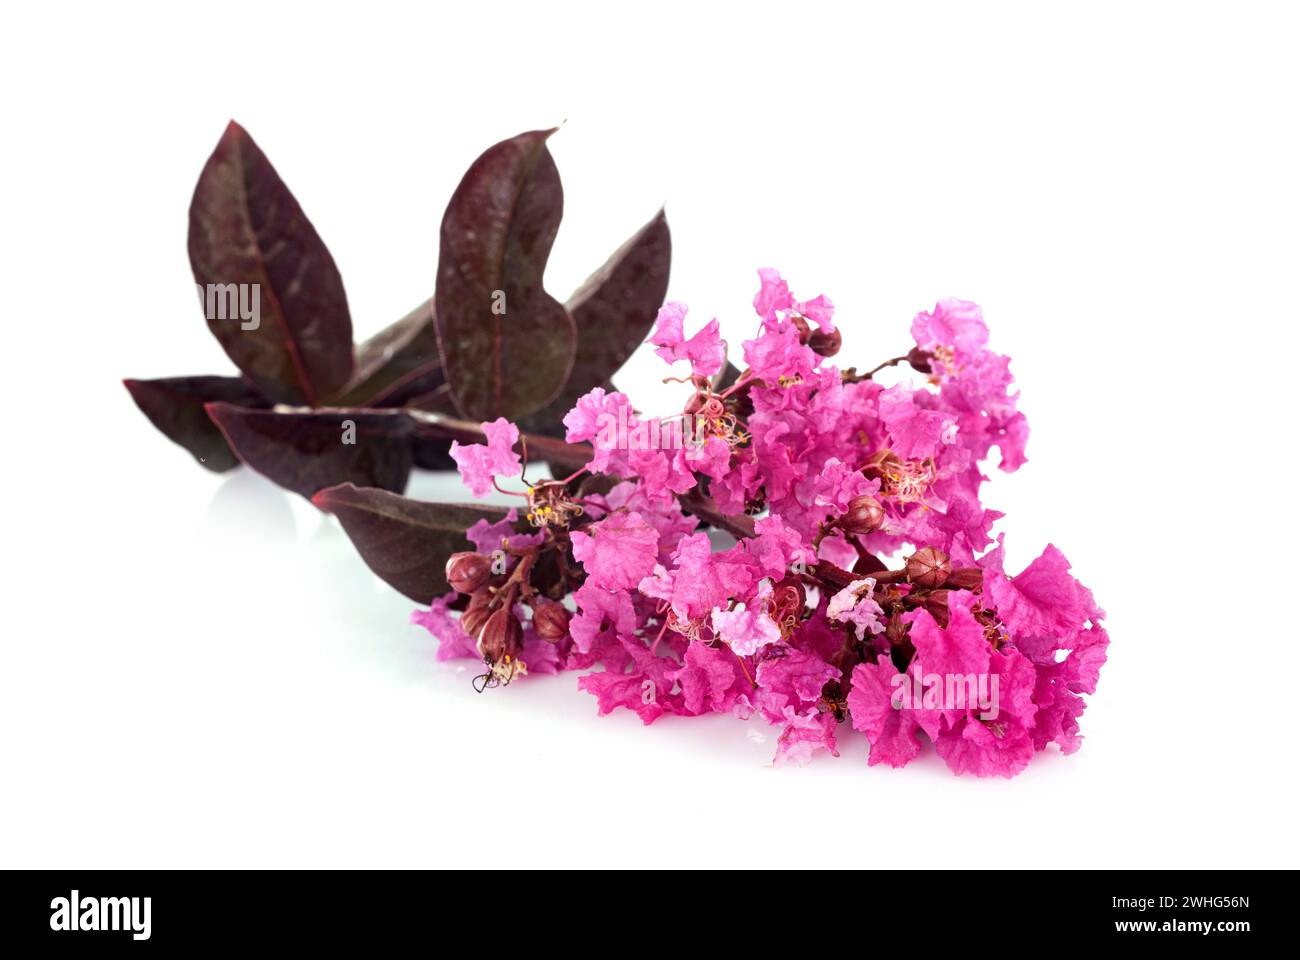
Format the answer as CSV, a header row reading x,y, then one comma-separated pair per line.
x,y
248,232
507,345
175,406
399,362
305,450
613,313
405,542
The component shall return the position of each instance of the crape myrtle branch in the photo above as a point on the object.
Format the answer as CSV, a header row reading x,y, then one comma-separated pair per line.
x,y
818,474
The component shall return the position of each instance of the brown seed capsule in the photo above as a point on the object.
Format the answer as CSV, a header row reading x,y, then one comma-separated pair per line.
x,y
501,638
863,516
476,614
801,325
825,344
928,567
466,572
966,578
550,620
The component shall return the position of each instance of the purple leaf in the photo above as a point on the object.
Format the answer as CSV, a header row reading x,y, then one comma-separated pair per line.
x,y
175,405
507,345
255,255
405,542
308,450
613,312
399,362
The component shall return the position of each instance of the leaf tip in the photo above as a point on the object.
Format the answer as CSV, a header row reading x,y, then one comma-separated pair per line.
x,y
324,498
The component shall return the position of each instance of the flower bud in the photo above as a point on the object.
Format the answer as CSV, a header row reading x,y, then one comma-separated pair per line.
x,y
501,638
466,572
476,614
825,344
896,631
966,578
919,359
550,620
936,604
863,516
928,567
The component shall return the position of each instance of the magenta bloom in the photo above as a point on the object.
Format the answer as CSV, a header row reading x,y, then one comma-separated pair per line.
x,y
747,627
618,552
705,350
854,604
479,463
820,552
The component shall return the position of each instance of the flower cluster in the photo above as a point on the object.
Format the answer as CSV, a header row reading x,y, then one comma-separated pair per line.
x,y
863,584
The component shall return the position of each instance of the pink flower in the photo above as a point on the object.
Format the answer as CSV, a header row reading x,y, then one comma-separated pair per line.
x,y
956,325
890,731
748,627
1058,685
915,432
603,616
705,350
634,691
958,649
1000,745
819,310
794,679
700,580
453,642
596,418
854,604
489,537
837,483
1043,600
803,735
712,680
619,552
672,624
479,463
778,358
773,294
777,547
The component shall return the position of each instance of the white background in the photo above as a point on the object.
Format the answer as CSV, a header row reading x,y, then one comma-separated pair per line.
x,y
197,670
